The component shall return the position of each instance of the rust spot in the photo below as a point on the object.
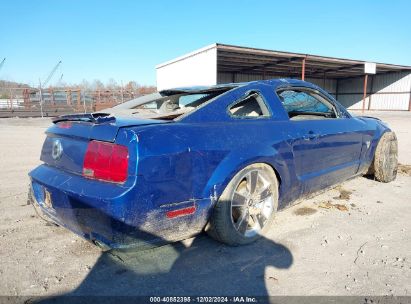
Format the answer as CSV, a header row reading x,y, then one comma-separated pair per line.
x,y
305,211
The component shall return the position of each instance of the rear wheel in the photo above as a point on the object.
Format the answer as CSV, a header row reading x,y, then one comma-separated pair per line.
x,y
245,210
385,162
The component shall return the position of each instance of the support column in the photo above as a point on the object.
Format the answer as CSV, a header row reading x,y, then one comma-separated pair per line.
x,y
336,89
303,69
371,92
365,92
409,103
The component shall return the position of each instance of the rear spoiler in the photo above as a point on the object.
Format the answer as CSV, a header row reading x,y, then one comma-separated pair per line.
x,y
87,117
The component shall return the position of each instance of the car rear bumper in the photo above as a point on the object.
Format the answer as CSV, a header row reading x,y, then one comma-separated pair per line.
x,y
108,214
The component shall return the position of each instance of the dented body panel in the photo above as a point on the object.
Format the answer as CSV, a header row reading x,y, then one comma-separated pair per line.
x,y
185,164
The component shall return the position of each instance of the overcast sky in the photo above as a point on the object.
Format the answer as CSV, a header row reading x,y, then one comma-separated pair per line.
x,y
124,40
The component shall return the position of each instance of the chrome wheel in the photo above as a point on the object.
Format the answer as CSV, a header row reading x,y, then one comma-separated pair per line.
x,y
252,203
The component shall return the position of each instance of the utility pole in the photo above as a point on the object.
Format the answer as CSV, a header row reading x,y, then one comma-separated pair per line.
x,y
41,99
122,96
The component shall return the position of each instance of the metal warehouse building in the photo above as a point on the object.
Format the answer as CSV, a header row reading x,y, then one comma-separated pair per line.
x,y
356,84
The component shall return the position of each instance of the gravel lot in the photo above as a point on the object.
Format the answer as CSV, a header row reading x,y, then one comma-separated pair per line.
x,y
352,240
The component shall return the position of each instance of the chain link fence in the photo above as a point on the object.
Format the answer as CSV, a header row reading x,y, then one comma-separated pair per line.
x,y
29,102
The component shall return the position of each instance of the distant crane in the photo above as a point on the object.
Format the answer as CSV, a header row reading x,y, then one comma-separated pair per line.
x,y
51,74
59,83
2,62
45,83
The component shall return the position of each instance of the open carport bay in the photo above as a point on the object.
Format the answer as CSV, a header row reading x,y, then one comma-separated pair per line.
x,y
351,240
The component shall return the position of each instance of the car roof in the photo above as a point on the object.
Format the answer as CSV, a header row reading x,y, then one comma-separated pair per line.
x,y
275,83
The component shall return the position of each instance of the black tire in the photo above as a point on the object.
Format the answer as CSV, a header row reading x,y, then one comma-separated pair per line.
x,y
385,163
251,196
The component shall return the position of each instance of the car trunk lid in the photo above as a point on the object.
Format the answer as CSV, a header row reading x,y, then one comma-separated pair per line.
x,y
68,138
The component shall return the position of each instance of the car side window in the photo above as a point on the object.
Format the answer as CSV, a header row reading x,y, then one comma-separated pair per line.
x,y
250,106
306,104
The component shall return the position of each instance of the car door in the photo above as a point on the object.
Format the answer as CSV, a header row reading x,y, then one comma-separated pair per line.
x,y
326,145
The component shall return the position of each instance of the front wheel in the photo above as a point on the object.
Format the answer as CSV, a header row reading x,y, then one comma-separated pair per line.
x,y
385,162
245,210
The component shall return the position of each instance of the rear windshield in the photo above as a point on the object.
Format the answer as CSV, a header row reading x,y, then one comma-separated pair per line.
x,y
175,103
168,106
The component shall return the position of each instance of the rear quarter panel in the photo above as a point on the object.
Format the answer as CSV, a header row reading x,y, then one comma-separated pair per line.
x,y
185,161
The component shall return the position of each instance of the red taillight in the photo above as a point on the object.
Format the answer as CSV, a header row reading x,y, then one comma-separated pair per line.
x,y
106,161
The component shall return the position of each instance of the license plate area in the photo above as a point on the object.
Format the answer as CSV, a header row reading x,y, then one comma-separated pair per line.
x,y
47,199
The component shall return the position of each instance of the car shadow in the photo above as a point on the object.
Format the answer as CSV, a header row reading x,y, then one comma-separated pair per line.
x,y
199,266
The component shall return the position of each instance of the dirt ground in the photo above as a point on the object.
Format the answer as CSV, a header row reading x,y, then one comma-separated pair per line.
x,y
352,240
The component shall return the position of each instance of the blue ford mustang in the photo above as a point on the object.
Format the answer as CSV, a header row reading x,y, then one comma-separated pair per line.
x,y
223,159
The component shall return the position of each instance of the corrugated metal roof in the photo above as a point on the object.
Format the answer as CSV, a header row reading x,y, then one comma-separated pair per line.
x,y
247,60
238,59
